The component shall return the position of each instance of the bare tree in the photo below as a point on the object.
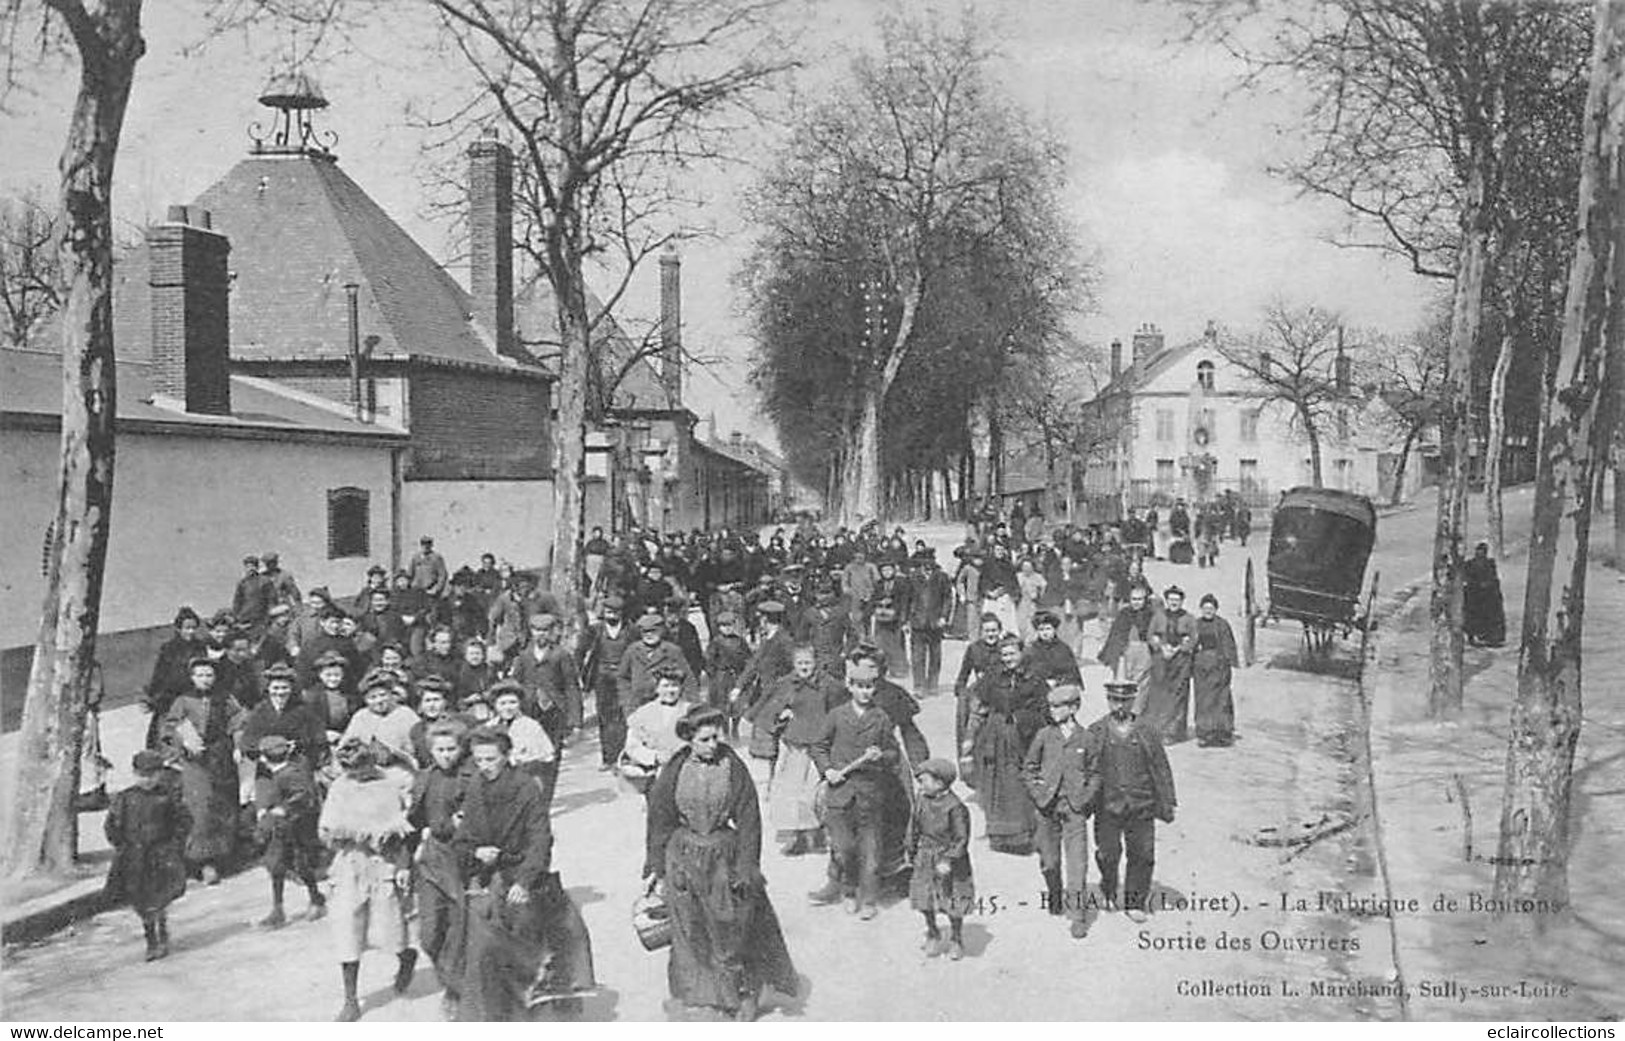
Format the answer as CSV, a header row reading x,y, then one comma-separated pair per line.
x,y
1293,363
30,266
1532,856
1046,398
1408,374
1413,103
607,99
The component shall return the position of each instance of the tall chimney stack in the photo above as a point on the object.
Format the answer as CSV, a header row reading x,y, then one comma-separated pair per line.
x,y
671,326
1117,359
1147,342
191,323
490,225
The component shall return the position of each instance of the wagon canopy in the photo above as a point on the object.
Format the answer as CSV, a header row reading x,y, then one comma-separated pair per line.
x,y
1320,542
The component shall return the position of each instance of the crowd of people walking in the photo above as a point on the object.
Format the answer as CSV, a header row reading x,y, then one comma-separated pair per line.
x,y
398,750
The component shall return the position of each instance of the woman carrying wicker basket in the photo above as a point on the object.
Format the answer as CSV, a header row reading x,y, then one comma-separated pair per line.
x,y
704,847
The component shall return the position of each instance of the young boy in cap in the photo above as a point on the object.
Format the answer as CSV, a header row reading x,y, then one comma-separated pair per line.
x,y
855,750
286,805
1061,775
939,835
1136,791
147,827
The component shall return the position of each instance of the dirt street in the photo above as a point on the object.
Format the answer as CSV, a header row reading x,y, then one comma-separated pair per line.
x,y
1250,923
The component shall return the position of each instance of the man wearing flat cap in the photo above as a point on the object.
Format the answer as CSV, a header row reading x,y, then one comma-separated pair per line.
x,y
251,603
548,674
1136,791
599,655
283,587
932,607
646,659
770,662
428,569
1061,772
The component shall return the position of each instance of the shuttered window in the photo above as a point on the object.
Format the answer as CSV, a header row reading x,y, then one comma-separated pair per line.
x,y
349,514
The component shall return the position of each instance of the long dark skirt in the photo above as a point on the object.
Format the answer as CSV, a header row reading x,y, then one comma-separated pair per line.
x,y
726,942
1168,700
210,791
519,956
1215,711
1011,818
890,639
442,923
1484,618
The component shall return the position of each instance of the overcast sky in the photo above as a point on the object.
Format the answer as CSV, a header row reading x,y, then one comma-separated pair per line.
x,y
1168,183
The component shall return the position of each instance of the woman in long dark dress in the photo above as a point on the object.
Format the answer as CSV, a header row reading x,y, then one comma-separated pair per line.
x,y
704,844
200,737
1009,705
1211,667
170,674
1484,615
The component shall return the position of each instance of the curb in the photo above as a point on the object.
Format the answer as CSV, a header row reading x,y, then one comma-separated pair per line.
x,y
53,912
34,920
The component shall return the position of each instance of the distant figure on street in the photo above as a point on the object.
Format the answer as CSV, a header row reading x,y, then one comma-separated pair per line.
x,y
1211,668
1485,621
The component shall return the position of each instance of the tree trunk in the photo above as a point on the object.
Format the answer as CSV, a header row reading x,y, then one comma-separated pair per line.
x,y
1398,494
1619,514
1445,652
1071,487
39,833
1497,438
1316,474
1532,855
565,240
860,479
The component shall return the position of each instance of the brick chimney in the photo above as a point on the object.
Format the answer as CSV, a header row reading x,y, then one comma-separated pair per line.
x,y
1147,342
671,326
191,324
1117,359
490,234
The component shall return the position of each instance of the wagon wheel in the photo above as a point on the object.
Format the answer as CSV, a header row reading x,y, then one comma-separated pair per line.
x,y
1249,615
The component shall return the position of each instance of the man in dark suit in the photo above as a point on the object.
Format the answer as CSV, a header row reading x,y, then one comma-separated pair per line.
x,y
1062,777
932,608
1136,791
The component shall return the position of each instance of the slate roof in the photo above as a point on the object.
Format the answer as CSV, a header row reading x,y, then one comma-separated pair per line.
x,y
536,325
300,228
737,455
31,387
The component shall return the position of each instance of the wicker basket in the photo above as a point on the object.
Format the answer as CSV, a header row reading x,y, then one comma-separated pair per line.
x,y
651,920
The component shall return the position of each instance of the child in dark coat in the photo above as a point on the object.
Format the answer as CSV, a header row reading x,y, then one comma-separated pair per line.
x,y
725,662
940,838
286,805
147,825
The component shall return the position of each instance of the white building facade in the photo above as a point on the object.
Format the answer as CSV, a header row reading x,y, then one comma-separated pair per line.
x,y
1194,426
